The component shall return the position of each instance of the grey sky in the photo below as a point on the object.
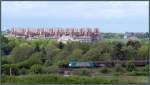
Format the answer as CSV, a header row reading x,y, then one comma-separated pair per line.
x,y
109,16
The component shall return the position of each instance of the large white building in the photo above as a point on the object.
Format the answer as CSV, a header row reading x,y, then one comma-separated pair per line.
x,y
59,34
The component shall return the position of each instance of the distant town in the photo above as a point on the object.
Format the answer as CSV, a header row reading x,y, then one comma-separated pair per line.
x,y
71,34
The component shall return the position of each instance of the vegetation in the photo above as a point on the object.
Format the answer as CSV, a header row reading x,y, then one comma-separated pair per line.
x,y
57,79
22,57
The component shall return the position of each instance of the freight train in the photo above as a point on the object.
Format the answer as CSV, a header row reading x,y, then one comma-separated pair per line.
x,y
91,64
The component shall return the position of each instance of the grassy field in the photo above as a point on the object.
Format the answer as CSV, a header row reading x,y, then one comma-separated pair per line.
x,y
58,79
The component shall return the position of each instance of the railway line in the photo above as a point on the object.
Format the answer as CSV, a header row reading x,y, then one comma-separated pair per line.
x,y
91,64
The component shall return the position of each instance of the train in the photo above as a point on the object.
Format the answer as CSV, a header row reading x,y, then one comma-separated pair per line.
x,y
92,64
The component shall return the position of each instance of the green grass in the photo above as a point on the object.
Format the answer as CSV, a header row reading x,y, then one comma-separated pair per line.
x,y
58,79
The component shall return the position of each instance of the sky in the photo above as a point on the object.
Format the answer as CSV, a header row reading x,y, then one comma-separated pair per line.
x,y
108,16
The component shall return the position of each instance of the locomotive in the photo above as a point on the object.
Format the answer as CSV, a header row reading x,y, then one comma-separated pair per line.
x,y
75,64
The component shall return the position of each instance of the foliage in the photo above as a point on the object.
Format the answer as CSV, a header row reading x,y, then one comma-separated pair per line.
x,y
76,54
143,52
117,51
36,69
5,48
23,71
119,68
21,52
105,70
55,79
85,72
134,43
10,69
131,67
43,56
138,73
49,70
35,58
146,68
129,53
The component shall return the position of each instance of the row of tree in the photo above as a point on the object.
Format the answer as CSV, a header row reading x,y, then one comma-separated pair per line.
x,y
121,35
23,54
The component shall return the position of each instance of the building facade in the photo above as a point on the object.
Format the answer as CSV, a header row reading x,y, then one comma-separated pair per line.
x,y
59,34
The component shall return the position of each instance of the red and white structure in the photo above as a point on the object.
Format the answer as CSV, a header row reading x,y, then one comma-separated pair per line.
x,y
60,34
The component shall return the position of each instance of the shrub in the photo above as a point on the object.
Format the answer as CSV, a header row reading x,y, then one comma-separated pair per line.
x,y
119,68
10,69
141,73
36,68
23,71
117,73
138,73
49,70
105,70
85,72
146,68
82,72
131,67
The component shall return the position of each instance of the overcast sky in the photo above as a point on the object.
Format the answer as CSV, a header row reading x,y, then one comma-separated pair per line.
x,y
109,16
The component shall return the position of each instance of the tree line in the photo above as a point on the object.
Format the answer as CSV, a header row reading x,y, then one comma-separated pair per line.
x,y
21,56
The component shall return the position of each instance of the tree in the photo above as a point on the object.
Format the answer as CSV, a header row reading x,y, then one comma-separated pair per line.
x,y
61,45
134,43
131,67
105,50
70,46
91,55
61,57
5,60
84,46
35,58
10,69
117,51
21,52
99,51
76,54
5,48
129,53
143,52
39,44
50,52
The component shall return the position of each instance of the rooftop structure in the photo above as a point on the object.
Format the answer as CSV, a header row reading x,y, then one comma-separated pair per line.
x,y
60,34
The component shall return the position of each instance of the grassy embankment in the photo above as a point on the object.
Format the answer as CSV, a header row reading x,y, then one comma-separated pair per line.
x,y
57,79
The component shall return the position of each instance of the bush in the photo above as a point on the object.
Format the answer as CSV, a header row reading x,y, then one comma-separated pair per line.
x,y
131,67
23,71
50,70
58,63
117,73
85,72
146,68
10,69
82,72
138,73
119,68
105,70
36,69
